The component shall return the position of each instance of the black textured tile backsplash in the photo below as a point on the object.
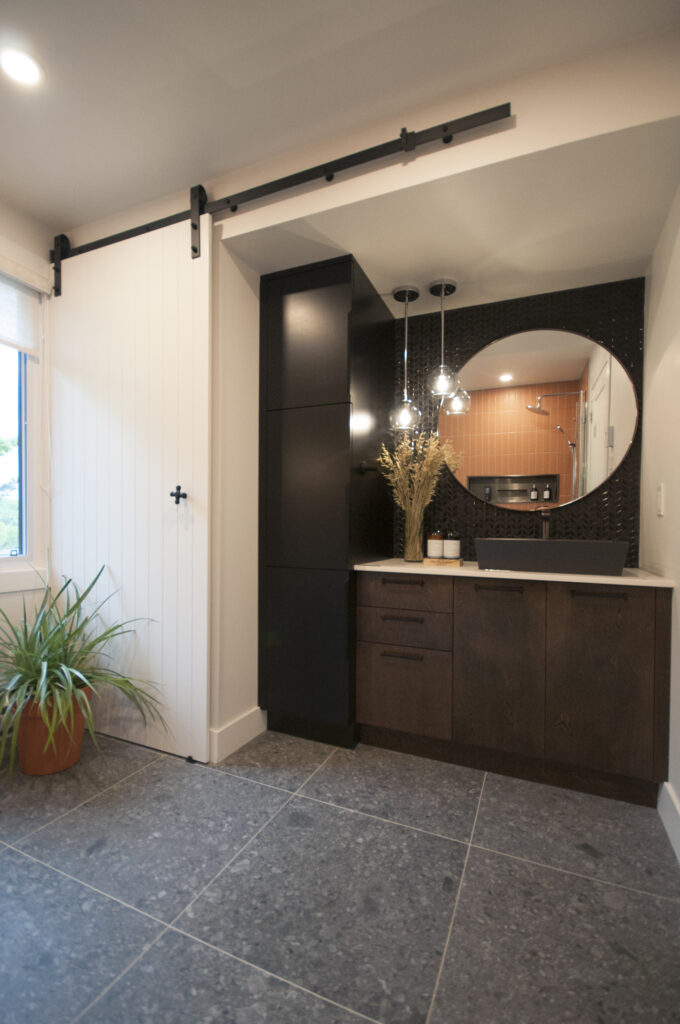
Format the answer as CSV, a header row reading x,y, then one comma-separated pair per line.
x,y
611,314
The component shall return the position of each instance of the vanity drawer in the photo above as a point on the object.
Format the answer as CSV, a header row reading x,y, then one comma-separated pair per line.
x,y
404,688
407,590
405,626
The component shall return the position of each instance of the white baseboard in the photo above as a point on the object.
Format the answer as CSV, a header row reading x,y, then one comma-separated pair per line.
x,y
235,734
669,811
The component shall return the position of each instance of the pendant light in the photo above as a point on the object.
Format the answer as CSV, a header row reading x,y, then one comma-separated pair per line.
x,y
405,417
458,400
457,403
443,380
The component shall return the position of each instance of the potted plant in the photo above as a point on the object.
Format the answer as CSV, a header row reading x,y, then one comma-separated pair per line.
x,y
52,664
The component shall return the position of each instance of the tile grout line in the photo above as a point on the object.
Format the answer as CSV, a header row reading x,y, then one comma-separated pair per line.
x,y
440,835
271,974
88,885
82,803
193,938
79,881
376,817
122,974
270,785
165,927
244,778
576,874
231,860
455,907
248,842
317,769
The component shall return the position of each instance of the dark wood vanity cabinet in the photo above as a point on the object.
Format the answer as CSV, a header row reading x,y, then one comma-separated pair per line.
x,y
604,681
499,665
404,637
557,681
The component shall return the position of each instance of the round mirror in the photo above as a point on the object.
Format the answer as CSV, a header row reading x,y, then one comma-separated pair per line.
x,y
552,415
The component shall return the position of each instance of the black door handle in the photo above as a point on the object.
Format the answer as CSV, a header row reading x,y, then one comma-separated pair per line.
x,y
177,494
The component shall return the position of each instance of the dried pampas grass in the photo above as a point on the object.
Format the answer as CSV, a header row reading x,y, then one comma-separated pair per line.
x,y
412,471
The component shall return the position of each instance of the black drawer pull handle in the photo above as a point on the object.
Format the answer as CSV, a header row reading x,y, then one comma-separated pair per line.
x,y
403,618
403,583
499,586
406,657
596,593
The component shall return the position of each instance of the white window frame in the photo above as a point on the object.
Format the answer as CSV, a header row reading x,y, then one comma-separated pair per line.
x,y
26,572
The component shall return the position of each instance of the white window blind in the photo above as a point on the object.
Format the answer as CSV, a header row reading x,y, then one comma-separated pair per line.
x,y
20,316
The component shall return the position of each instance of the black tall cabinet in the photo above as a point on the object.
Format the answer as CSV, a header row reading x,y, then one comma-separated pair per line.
x,y
326,389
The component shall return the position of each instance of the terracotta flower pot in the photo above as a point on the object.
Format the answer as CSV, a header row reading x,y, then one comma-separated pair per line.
x,y
34,759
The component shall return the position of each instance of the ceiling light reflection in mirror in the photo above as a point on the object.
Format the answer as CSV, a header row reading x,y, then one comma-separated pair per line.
x,y
587,421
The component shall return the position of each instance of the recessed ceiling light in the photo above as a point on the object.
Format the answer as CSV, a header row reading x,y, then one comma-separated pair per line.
x,y
505,377
20,67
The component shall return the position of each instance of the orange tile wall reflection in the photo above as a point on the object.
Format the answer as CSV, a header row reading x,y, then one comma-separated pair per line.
x,y
500,437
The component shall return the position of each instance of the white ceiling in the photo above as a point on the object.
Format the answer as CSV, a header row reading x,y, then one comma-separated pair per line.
x,y
143,98
533,357
574,215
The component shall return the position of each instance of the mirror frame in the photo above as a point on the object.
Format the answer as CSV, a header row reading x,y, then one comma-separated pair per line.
x,y
538,387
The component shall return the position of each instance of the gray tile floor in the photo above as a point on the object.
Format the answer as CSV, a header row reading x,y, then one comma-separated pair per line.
x,y
301,883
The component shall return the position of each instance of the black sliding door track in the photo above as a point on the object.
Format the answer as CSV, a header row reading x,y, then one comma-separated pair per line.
x,y
407,142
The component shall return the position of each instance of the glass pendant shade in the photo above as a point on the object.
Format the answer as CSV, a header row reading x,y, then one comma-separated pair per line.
x,y
457,403
405,417
442,382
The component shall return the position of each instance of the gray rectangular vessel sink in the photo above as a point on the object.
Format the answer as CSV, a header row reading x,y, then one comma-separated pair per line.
x,y
592,557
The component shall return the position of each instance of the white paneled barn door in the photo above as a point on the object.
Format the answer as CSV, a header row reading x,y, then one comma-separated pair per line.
x,y
130,353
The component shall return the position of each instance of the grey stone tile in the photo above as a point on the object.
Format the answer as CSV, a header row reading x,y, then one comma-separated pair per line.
x,y
352,908
157,838
534,945
29,801
179,981
591,835
416,791
60,943
277,760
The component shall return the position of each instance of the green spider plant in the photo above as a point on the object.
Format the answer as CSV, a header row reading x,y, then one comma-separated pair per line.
x,y
53,658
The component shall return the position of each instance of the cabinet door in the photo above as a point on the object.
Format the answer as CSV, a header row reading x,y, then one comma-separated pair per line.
x,y
404,688
305,333
306,481
600,678
499,665
305,667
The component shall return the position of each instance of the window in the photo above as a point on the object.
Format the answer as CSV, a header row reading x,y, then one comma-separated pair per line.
x,y
20,338
12,449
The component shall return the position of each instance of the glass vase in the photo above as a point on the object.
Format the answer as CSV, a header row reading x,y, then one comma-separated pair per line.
x,y
413,536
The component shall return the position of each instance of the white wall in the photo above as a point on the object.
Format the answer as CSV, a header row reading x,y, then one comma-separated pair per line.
x,y
235,716
24,248
660,536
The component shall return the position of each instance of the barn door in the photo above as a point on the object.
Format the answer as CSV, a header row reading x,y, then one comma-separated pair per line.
x,y
130,350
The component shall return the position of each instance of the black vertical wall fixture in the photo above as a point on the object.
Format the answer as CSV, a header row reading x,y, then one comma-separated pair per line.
x,y
611,314
326,390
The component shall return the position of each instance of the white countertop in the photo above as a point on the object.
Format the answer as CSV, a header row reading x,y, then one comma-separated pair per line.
x,y
630,577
